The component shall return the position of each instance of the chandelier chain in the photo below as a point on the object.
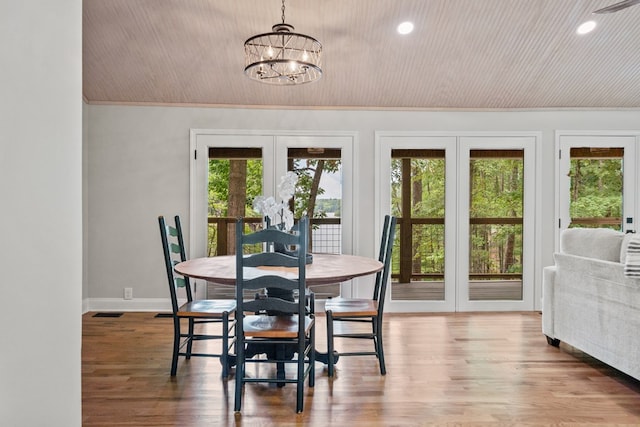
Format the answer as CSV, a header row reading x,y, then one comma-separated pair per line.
x,y
283,11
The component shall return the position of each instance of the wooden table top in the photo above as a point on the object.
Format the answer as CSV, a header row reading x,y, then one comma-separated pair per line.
x,y
324,270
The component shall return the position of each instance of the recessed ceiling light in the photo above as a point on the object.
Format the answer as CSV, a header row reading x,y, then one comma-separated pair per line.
x,y
587,27
405,27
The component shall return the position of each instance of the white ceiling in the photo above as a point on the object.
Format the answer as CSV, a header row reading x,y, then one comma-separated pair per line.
x,y
463,54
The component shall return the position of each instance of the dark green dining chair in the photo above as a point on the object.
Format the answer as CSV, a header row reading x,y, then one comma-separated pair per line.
x,y
276,322
197,313
363,310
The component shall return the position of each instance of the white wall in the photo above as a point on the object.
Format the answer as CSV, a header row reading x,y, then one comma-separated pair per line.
x,y
41,216
139,169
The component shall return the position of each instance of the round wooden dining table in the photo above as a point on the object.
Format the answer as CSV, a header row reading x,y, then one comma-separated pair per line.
x,y
325,269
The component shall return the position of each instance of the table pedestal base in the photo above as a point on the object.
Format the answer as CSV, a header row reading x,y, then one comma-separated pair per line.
x,y
274,351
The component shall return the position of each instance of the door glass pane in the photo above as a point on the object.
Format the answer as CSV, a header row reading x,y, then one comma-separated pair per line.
x,y
495,224
319,196
418,200
596,187
235,179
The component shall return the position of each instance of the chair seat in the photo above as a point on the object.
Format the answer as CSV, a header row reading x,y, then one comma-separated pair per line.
x,y
207,308
351,307
262,326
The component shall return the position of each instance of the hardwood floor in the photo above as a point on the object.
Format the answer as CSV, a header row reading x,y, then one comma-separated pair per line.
x,y
472,369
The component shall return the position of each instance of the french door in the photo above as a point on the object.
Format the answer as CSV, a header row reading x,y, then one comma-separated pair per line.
x,y
496,223
465,205
596,178
326,157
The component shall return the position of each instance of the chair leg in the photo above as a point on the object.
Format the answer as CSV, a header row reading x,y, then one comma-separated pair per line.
x,y
280,355
225,345
240,371
176,345
300,384
233,334
190,342
312,358
301,363
330,342
379,347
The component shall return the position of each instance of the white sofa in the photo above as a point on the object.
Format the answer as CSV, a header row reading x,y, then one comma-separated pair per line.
x,y
589,303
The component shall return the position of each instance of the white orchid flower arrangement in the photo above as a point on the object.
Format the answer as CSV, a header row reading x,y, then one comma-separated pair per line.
x,y
279,213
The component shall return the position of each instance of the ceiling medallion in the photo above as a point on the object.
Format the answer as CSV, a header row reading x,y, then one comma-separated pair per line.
x,y
283,57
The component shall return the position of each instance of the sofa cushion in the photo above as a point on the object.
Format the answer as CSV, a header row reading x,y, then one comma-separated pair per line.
x,y
599,243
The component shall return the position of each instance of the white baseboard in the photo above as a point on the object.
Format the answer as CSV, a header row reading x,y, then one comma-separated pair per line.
x,y
162,305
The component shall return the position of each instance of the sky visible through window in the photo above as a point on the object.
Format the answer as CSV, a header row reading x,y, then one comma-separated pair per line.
x,y
332,185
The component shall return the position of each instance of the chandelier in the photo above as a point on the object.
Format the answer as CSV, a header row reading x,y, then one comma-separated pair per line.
x,y
283,57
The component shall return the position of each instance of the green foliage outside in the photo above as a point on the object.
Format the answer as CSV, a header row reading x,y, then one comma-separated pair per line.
x,y
219,186
497,187
306,197
306,169
596,189
428,201
219,194
329,206
496,192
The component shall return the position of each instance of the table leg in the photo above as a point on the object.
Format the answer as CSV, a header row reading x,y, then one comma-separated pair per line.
x,y
323,357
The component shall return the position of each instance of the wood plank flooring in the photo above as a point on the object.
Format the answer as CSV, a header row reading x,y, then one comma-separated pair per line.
x,y
471,369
